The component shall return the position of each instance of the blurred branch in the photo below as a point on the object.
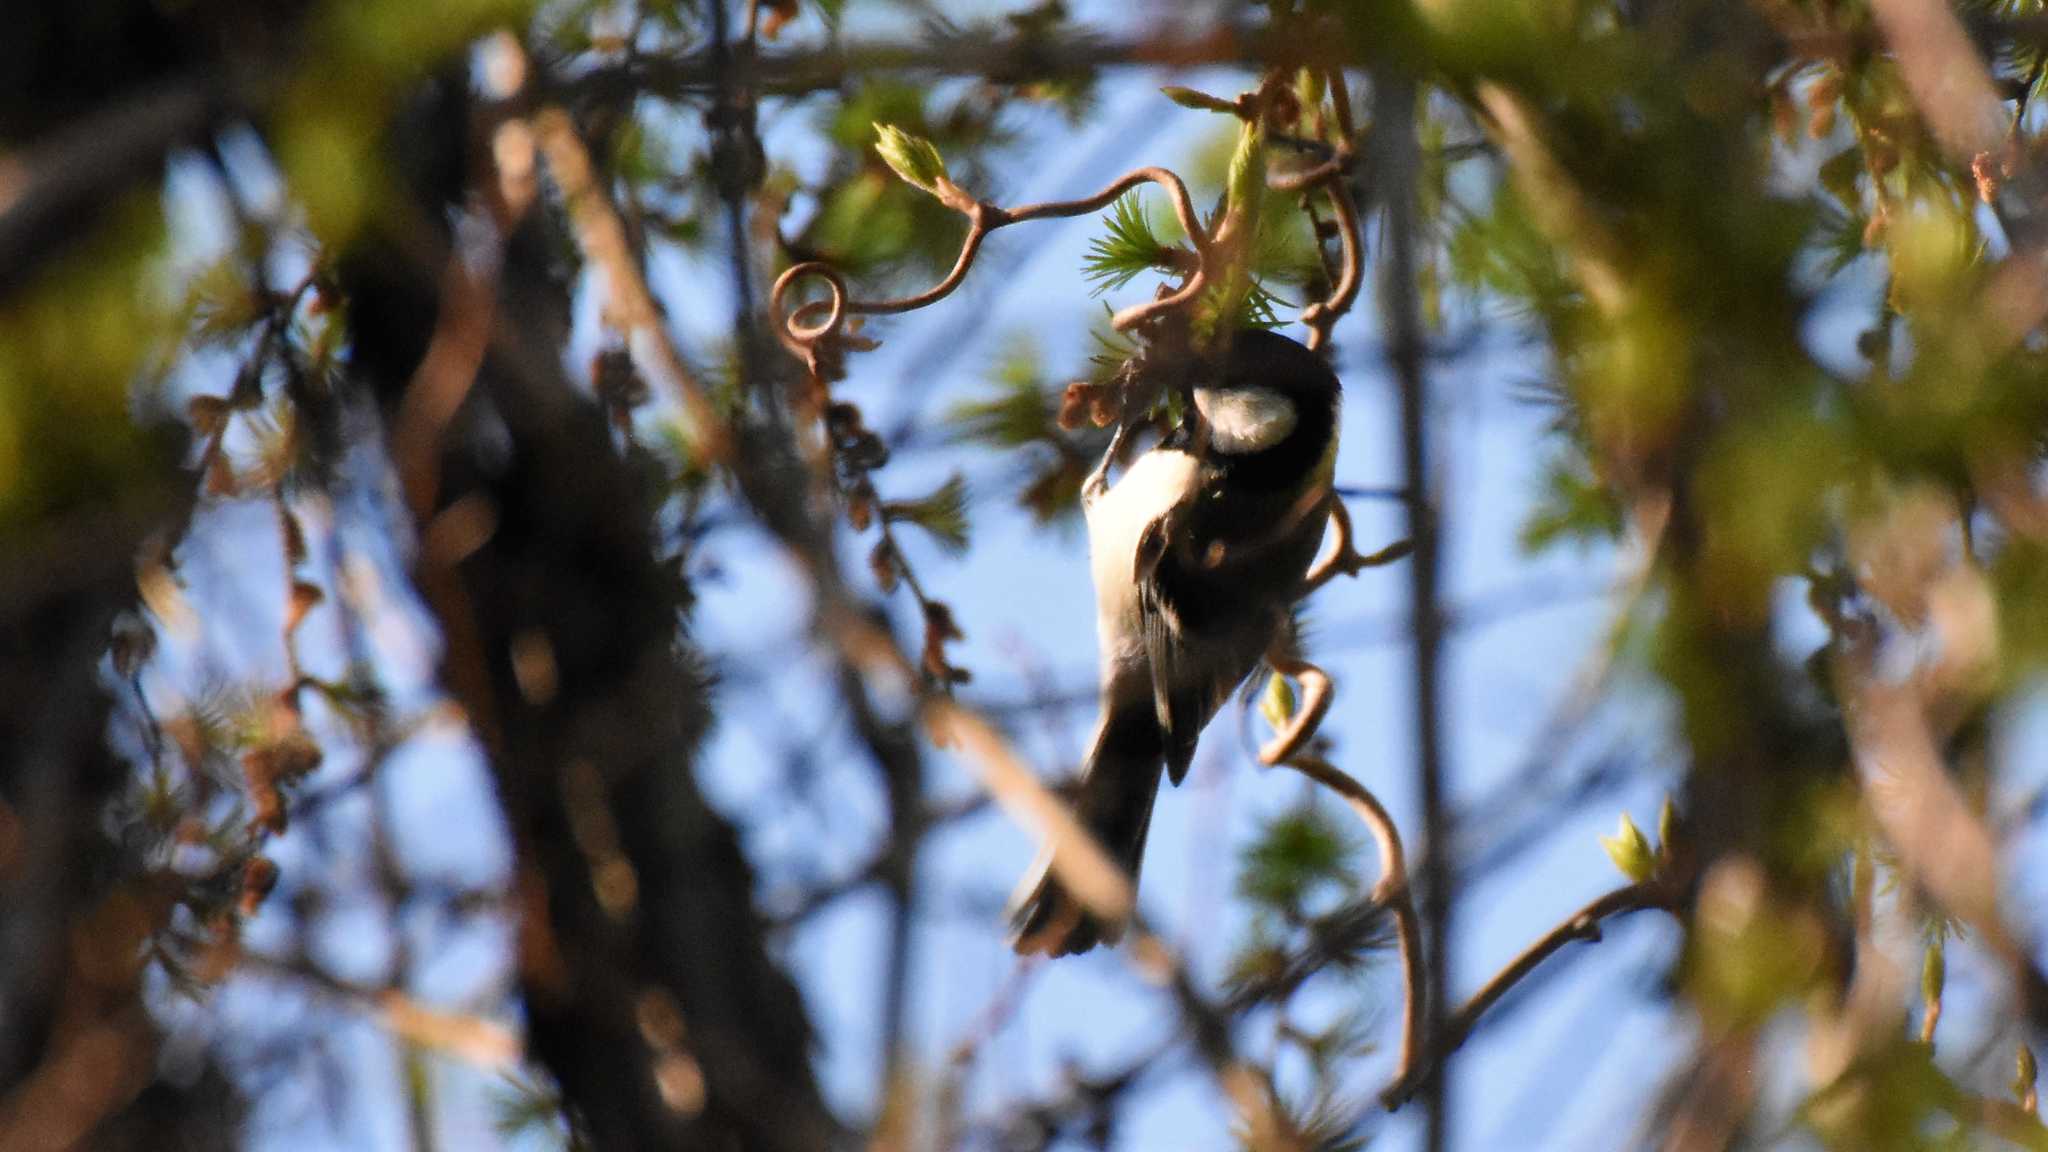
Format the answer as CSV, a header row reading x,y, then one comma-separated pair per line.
x,y
602,240
1953,90
1082,865
1397,165
1100,885
1012,59
893,746
50,192
487,1044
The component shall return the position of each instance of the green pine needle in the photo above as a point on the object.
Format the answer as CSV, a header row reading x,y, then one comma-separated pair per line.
x,y
1131,247
943,514
1297,854
1020,412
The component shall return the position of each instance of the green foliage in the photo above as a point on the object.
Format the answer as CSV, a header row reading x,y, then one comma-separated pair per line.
x,y
1751,953
1933,972
72,341
1299,857
1132,245
1020,418
1233,297
364,57
943,514
1895,1098
1571,506
1502,253
868,220
526,1109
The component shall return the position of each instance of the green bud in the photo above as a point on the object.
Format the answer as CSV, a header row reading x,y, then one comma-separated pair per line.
x,y
1276,703
1236,235
2024,1074
1199,101
913,158
1246,183
1630,850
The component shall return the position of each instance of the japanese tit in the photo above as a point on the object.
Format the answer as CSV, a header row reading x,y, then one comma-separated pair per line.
x,y
1199,552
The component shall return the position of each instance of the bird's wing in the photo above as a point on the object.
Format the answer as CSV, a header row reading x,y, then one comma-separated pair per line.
x,y
1176,696
1194,666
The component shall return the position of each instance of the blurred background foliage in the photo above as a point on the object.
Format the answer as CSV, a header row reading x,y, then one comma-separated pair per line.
x,y
311,298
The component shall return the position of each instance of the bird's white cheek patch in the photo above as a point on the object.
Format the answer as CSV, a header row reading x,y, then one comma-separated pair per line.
x,y
1245,420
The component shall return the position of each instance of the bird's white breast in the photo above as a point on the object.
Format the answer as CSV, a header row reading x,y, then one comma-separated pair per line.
x,y
1154,483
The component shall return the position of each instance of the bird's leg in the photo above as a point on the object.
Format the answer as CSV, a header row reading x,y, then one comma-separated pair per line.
x,y
1097,482
1345,559
1315,701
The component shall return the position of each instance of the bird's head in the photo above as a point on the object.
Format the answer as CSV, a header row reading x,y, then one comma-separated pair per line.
x,y
1269,393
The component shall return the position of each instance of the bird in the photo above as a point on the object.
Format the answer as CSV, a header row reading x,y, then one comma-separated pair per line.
x,y
1198,553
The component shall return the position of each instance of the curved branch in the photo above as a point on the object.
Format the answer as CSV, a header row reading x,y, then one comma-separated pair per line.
x,y
1332,176
1345,559
1392,891
982,219
1322,315
1315,688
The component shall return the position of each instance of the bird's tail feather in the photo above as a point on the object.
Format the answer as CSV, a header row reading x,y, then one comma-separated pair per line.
x,y
1118,786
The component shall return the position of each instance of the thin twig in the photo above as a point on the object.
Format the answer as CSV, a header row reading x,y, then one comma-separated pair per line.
x,y
1585,924
484,1043
1345,559
1004,59
602,238
984,218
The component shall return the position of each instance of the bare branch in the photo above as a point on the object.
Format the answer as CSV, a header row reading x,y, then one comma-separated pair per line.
x,y
1392,891
984,218
1585,924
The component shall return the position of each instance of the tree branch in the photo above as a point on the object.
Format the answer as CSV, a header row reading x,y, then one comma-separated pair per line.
x,y
1393,891
1397,164
1003,59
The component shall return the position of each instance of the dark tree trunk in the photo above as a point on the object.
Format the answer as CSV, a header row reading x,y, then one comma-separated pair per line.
x,y
650,994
